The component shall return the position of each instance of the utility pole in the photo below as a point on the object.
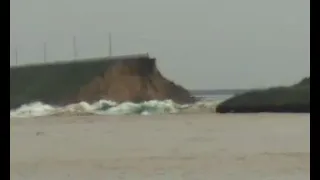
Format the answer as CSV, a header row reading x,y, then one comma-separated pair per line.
x,y
110,45
16,55
75,51
44,52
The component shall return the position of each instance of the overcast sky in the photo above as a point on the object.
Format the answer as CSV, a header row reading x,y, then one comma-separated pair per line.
x,y
198,43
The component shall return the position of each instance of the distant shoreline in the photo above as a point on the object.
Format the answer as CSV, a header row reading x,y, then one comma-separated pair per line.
x,y
219,91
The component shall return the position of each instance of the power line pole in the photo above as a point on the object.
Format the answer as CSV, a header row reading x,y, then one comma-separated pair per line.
x,y
110,45
44,52
16,55
75,52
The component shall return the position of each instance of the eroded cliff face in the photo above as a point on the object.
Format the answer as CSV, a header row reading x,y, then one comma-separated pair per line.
x,y
133,80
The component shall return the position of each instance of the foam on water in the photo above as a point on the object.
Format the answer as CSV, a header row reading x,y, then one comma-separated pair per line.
x,y
105,107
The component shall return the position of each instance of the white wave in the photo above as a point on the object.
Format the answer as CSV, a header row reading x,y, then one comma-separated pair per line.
x,y
105,107
33,110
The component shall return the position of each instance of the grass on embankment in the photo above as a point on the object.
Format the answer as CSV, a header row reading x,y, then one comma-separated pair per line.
x,y
294,98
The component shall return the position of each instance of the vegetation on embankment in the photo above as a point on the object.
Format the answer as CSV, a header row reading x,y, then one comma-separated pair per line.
x,y
52,82
294,98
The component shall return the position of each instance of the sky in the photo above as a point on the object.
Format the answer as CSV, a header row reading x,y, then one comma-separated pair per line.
x,y
203,44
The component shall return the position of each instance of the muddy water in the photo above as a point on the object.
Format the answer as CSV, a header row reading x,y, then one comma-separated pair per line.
x,y
186,147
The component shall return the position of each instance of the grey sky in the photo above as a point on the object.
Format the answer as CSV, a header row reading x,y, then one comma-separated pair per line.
x,y
198,43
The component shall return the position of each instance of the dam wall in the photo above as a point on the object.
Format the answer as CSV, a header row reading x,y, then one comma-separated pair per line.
x,y
118,78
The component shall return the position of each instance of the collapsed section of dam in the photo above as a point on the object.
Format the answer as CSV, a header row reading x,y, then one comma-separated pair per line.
x,y
134,78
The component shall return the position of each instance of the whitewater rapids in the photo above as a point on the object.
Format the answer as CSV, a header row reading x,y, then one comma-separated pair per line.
x,y
105,107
